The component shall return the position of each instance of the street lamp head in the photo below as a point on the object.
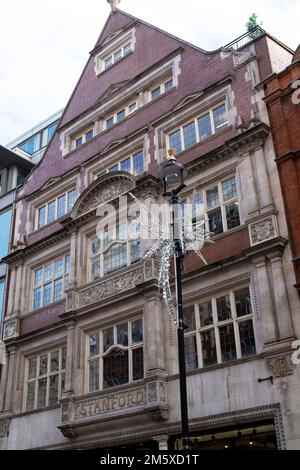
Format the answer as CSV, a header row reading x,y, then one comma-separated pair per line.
x,y
172,174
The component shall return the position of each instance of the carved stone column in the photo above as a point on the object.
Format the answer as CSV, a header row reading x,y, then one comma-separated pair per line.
x,y
11,292
73,259
283,310
249,201
154,334
162,442
18,288
266,304
263,182
10,378
69,377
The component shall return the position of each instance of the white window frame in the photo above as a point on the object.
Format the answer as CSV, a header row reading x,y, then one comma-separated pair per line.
x,y
131,346
60,373
195,120
56,217
119,164
83,137
162,88
114,116
235,320
222,203
65,276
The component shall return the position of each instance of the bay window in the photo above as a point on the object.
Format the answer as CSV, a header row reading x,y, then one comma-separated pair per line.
x,y
219,329
115,355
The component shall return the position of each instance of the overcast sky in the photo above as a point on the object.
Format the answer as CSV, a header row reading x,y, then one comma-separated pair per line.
x,y
44,45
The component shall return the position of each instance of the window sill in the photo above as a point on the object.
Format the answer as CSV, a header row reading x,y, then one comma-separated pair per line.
x,y
37,410
42,309
115,389
50,224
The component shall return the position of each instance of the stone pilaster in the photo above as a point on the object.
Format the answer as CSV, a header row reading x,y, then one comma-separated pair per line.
x,y
162,442
11,292
249,202
265,301
154,335
18,288
69,377
283,310
4,381
10,378
263,182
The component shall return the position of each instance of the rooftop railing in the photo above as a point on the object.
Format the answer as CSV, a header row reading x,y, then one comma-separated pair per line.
x,y
249,36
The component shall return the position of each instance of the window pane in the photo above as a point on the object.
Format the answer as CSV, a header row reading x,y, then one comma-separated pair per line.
x,y
108,62
115,368
212,197
89,135
243,302
72,196
127,48
42,391
108,338
220,117
95,242
94,345
223,308
168,85
42,216
38,276
189,318
115,258
48,293
54,366
59,266
30,396
43,364
155,93
53,389
209,351
61,206
175,141
121,115
109,123
32,369
229,189
204,125
58,290
51,211
67,264
122,334
227,343
189,133
2,284
125,165
197,204
232,215
247,338
137,364
51,130
37,298
114,168
206,315
135,250
63,358
78,142
63,381
118,55
191,361
95,268
138,163
215,221
132,107
5,223
94,375
137,331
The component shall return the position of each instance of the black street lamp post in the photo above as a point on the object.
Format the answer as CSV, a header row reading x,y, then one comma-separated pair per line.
x,y
172,174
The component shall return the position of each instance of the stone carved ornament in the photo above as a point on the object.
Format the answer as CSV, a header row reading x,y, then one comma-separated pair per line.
x,y
4,425
111,287
262,230
10,330
108,192
281,366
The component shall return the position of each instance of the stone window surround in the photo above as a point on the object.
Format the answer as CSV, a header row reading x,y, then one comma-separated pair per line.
x,y
113,44
213,326
113,157
45,196
180,117
96,118
28,278
98,329
45,204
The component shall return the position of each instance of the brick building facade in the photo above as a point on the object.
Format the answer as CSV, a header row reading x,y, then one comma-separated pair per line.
x,y
91,352
282,99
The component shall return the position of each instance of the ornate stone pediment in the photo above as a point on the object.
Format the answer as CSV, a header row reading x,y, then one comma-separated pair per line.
x,y
105,189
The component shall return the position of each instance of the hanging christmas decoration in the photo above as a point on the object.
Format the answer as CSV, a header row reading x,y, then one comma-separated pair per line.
x,y
190,236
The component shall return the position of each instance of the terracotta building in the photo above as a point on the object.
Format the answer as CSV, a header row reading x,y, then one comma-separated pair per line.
x,y
91,352
283,103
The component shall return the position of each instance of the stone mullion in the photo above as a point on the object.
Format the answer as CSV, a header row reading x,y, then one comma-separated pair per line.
x,y
154,336
69,372
10,378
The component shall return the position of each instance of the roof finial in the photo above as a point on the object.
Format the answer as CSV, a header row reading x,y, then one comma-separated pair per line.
x,y
113,4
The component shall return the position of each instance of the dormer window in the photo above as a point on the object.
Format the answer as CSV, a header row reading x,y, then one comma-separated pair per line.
x,y
160,89
84,138
121,114
116,56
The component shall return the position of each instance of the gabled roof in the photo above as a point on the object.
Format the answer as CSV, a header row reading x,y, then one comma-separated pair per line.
x,y
114,88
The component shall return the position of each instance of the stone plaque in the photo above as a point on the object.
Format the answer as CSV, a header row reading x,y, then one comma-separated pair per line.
x,y
262,230
281,366
4,425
